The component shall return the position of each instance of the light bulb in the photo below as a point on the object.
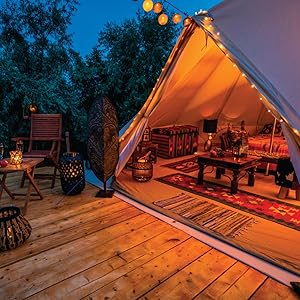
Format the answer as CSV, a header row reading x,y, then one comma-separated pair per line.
x,y
147,5
157,7
163,19
176,18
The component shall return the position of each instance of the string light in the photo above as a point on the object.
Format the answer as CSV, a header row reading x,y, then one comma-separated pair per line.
x,y
163,19
147,5
158,7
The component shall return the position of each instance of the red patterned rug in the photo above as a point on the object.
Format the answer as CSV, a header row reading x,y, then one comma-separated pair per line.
x,y
273,210
187,165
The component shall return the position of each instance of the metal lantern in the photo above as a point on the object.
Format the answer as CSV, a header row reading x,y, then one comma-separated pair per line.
x,y
163,19
147,5
16,157
157,7
142,170
176,18
71,173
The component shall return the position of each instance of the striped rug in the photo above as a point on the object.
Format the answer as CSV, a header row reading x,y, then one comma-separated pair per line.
x,y
207,215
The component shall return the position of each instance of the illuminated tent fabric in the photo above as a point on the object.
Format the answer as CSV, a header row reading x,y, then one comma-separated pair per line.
x,y
233,68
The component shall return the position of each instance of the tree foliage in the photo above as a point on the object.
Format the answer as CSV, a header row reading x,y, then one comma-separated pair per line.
x,y
134,53
38,65
35,60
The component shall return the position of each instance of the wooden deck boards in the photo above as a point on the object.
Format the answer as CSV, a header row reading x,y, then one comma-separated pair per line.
x,y
84,247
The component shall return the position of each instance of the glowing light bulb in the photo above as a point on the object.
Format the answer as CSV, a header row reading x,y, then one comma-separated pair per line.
x,y
157,7
147,5
163,19
176,18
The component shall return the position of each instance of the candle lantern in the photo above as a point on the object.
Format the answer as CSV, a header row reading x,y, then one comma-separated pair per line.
x,y
71,173
236,150
16,157
142,170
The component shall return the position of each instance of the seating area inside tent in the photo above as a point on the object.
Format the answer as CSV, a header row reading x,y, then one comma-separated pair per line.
x,y
214,73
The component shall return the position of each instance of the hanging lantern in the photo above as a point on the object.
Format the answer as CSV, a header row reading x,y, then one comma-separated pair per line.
x,y
176,18
147,5
157,7
187,21
162,19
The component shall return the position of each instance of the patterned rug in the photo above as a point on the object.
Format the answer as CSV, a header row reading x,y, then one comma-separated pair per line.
x,y
187,165
273,210
207,215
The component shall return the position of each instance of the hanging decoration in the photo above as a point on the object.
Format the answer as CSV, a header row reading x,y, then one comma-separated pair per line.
x,y
147,5
157,7
163,17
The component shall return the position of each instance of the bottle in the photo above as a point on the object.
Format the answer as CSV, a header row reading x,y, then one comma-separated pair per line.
x,y
1,151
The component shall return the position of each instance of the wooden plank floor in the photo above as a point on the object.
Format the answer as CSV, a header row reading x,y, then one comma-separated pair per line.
x,y
82,247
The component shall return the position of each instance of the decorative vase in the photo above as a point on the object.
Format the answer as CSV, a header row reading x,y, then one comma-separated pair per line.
x,y
71,173
14,228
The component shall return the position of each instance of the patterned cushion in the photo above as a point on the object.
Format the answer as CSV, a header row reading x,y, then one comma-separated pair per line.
x,y
267,129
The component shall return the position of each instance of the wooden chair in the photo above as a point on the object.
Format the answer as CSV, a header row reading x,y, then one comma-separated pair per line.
x,y
46,131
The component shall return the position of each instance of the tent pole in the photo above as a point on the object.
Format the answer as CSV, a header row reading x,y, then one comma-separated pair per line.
x,y
271,145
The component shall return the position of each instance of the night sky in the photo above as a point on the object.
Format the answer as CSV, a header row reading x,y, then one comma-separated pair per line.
x,y
93,14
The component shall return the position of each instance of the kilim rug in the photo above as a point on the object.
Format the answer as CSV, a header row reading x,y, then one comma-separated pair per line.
x,y
273,210
187,165
207,215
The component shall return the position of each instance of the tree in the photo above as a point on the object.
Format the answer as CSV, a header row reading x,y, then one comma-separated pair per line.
x,y
35,60
134,54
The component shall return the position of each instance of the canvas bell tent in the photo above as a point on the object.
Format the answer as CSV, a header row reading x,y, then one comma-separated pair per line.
x,y
241,64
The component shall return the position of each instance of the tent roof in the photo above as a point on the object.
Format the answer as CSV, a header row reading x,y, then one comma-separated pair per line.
x,y
266,32
211,68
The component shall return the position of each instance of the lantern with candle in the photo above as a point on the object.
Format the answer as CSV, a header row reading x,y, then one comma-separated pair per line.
x,y
142,170
16,157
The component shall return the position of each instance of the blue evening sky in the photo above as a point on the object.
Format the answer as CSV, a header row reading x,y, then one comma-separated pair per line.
x,y
93,14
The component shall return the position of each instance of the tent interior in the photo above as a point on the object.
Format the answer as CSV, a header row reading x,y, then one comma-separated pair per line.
x,y
201,81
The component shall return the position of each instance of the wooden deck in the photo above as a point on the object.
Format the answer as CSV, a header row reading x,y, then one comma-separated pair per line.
x,y
82,247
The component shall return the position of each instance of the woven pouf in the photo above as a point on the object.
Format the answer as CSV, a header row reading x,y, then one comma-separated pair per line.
x,y
71,173
14,228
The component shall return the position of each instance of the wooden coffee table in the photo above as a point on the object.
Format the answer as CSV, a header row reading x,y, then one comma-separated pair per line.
x,y
236,165
27,166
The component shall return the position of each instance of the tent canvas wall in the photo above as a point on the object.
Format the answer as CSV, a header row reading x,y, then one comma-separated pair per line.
x,y
235,67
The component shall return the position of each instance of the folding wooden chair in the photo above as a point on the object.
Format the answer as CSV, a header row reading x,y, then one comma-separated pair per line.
x,y
44,141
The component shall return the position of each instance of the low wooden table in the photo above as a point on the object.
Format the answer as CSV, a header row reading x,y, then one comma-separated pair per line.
x,y
27,166
236,165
